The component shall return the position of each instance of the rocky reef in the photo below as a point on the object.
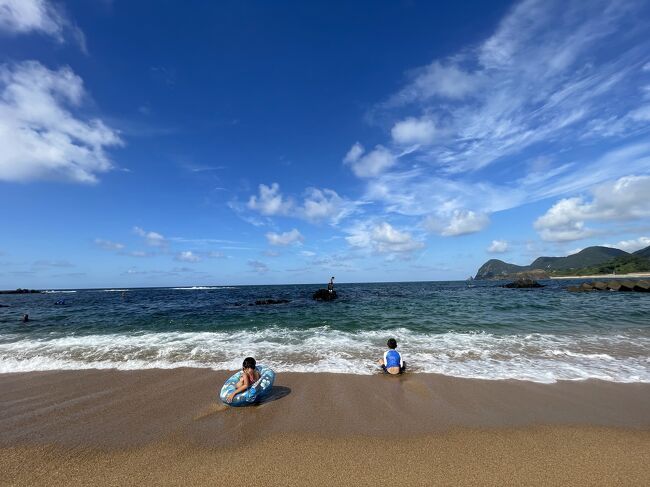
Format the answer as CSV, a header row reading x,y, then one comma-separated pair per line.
x,y
523,283
21,291
324,295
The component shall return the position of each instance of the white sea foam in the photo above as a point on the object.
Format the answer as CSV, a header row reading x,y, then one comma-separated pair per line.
x,y
55,291
114,290
202,288
534,357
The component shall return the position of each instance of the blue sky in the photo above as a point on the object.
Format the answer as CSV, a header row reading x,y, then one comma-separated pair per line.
x,y
160,143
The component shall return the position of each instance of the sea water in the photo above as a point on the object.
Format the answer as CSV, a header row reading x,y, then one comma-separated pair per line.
x,y
480,331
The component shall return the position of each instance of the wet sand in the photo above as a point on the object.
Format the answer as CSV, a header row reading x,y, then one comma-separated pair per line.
x,y
167,427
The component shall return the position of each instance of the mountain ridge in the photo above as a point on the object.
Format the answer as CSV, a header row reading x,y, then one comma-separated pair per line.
x,y
592,258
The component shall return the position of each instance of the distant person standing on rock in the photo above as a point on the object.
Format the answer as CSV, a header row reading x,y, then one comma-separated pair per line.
x,y
330,286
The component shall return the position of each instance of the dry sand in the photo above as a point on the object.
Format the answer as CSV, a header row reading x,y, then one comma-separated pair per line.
x,y
166,427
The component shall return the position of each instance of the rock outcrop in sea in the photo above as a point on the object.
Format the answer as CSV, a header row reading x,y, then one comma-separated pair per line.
x,y
324,295
21,291
524,283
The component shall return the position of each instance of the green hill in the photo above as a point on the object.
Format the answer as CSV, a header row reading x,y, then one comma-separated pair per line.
x,y
588,257
625,264
643,252
495,269
592,260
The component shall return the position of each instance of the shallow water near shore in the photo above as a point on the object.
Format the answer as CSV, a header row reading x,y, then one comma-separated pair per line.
x,y
484,331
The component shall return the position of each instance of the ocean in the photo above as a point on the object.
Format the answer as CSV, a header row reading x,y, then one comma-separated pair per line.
x,y
483,331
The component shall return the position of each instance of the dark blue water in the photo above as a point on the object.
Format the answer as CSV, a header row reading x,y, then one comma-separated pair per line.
x,y
445,327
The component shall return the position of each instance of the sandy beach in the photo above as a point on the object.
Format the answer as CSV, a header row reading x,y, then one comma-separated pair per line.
x,y
166,427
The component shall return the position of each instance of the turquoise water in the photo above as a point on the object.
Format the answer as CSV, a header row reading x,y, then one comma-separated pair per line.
x,y
444,327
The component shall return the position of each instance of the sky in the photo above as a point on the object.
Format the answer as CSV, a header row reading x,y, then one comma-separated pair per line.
x,y
169,143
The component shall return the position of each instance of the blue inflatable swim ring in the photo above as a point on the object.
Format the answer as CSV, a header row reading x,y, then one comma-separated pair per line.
x,y
254,393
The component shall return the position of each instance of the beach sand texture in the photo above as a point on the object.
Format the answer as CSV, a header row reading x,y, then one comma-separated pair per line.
x,y
166,427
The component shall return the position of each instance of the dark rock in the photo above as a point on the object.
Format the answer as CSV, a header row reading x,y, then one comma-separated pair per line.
x,y
324,295
626,286
262,302
613,285
523,284
586,287
642,286
573,289
21,291
600,285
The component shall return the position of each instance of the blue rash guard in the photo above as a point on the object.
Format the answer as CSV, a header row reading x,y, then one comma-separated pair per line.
x,y
392,358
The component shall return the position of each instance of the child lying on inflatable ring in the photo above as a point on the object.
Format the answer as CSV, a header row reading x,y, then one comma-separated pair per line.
x,y
248,378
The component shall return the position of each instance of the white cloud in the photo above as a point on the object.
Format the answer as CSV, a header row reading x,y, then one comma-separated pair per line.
x,y
382,238
39,136
414,131
498,247
553,76
108,245
25,16
270,201
325,204
459,222
371,164
286,238
624,199
437,79
153,239
187,256
355,152
631,245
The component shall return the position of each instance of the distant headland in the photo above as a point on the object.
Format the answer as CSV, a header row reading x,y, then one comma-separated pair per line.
x,y
590,262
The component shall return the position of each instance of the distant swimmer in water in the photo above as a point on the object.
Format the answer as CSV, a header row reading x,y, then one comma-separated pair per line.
x,y
330,286
25,318
392,363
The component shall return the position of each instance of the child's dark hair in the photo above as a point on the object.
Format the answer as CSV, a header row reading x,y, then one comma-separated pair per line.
x,y
392,343
249,363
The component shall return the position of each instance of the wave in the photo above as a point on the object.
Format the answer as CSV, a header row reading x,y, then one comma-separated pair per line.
x,y
115,290
202,288
534,357
54,291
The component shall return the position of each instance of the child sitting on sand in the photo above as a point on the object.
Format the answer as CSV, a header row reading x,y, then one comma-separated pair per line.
x,y
249,376
392,363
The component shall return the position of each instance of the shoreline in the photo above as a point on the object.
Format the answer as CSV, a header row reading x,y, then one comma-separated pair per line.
x,y
634,275
167,427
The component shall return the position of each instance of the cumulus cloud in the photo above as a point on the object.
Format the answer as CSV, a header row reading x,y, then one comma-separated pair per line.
x,y
270,201
371,164
498,247
413,131
382,238
286,238
40,137
631,245
325,204
318,205
187,256
153,239
108,244
624,199
457,222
